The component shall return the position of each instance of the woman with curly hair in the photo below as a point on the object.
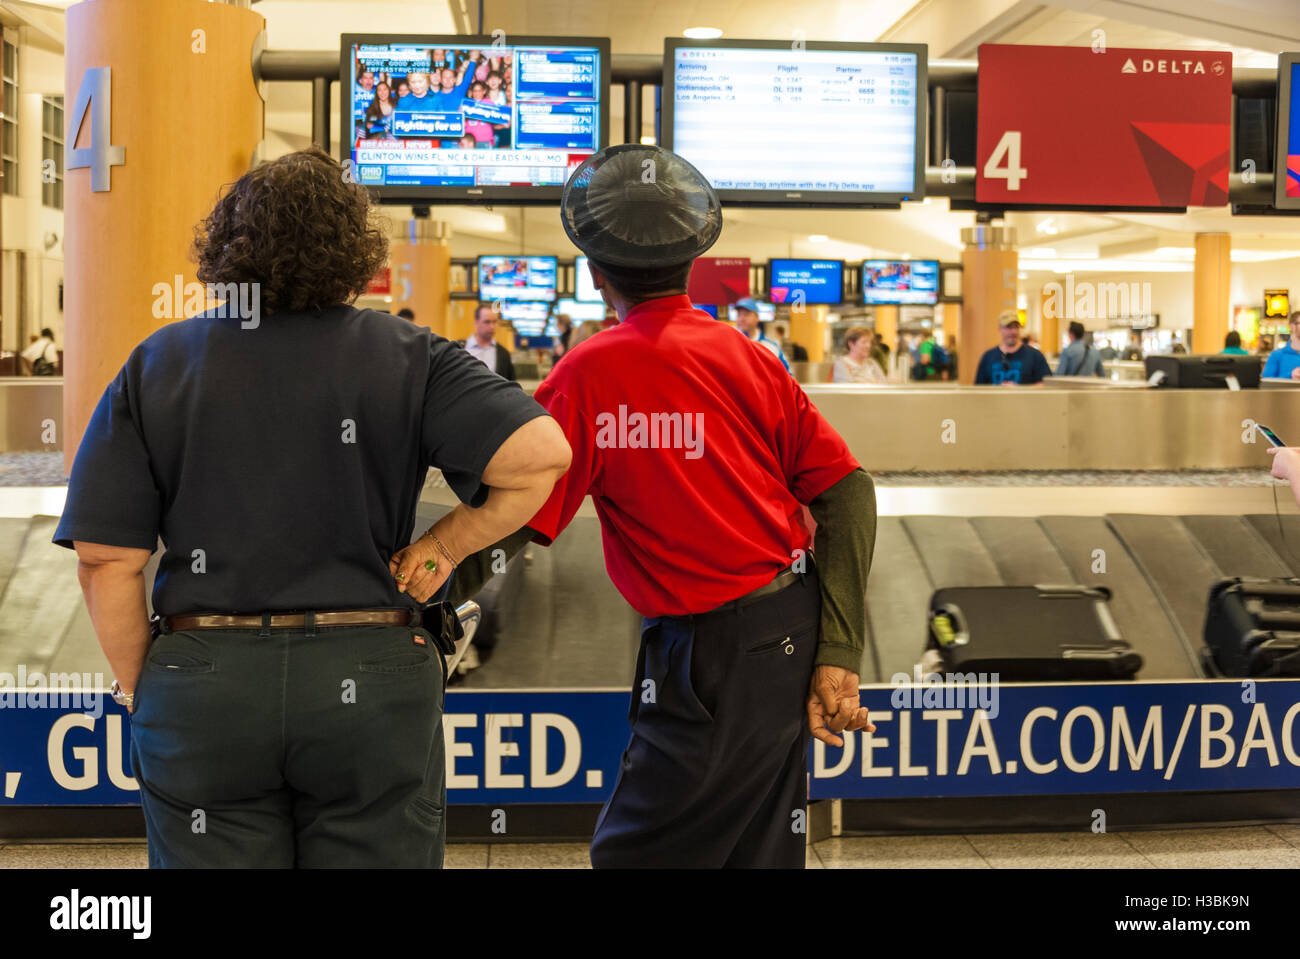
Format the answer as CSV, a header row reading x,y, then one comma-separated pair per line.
x,y
286,702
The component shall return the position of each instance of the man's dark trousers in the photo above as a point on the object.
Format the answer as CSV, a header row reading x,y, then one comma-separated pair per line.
x,y
716,772
283,748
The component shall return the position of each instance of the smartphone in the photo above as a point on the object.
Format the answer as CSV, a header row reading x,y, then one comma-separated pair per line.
x,y
1269,435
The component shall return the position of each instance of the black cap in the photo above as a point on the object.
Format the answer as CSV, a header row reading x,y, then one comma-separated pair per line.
x,y
640,206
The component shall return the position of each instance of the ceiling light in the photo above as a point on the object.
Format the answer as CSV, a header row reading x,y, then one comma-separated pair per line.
x,y
818,238
648,141
1048,226
702,33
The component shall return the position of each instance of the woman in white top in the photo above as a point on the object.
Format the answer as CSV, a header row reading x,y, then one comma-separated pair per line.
x,y
857,366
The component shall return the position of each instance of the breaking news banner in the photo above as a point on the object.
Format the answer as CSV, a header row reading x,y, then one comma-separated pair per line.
x,y
931,740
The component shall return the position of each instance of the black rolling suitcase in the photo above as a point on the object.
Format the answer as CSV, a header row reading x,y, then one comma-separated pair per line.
x,y
1030,633
1252,627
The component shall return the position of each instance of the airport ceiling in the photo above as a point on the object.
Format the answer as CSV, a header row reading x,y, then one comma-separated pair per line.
x,y
1254,30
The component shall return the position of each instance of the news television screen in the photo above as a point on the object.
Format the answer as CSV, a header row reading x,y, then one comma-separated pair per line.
x,y
825,124
517,278
469,118
815,282
584,290
1286,178
902,282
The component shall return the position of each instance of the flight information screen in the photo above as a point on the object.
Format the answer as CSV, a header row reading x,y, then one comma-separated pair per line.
x,y
497,115
900,281
779,121
1287,178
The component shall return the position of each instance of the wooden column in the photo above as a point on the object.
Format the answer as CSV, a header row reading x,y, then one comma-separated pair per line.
x,y
989,266
887,325
420,258
808,329
1051,321
1212,278
186,117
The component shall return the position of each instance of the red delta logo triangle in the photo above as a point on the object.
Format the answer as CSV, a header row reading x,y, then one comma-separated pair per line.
x,y
1187,162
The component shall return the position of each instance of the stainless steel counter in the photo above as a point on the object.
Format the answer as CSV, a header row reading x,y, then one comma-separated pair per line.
x,y
28,407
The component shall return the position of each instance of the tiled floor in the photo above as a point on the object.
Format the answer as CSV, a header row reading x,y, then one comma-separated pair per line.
x,y
1241,847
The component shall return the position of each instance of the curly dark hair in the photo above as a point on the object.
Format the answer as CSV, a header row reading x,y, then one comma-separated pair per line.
x,y
298,228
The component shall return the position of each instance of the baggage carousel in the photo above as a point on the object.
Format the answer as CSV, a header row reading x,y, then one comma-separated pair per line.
x,y
562,624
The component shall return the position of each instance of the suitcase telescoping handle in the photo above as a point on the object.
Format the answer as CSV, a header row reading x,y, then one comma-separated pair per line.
x,y
1269,590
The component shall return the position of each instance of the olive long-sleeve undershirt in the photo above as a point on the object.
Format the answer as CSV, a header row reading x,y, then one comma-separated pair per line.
x,y
843,546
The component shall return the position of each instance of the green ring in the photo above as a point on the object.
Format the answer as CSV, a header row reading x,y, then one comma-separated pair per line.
x,y
430,565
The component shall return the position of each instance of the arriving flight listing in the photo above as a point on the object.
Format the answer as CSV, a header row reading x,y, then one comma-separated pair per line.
x,y
473,116
831,120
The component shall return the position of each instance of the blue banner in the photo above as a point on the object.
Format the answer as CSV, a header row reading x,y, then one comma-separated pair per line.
x,y
566,746
417,125
1039,739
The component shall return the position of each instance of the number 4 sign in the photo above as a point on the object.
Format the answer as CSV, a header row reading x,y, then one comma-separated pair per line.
x,y
95,95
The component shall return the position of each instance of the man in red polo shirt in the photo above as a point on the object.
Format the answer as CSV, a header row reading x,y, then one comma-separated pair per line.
x,y
699,451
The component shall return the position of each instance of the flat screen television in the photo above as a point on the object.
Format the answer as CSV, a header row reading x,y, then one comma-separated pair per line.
x,y
579,311
1286,179
512,278
584,290
815,282
472,119
901,282
766,312
530,318
830,124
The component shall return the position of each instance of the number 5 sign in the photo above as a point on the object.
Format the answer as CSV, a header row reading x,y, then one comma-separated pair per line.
x,y
1070,126
95,96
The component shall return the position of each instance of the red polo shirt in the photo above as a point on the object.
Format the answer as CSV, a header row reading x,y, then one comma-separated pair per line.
x,y
698,449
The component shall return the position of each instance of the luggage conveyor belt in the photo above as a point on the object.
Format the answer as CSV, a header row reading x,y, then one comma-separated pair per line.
x,y
563,625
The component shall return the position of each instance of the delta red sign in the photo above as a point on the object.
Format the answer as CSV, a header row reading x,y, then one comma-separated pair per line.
x,y
719,280
1121,128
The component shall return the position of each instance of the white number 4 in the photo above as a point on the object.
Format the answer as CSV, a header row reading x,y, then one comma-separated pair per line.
x,y
1009,148
95,95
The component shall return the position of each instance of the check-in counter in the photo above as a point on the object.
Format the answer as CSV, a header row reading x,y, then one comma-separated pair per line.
x,y
29,405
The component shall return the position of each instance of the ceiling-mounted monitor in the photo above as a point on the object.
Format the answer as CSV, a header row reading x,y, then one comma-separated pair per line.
x,y
812,282
900,282
811,124
513,278
450,119
1286,176
584,289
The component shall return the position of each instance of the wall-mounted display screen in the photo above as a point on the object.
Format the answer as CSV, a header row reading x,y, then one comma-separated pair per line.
x,y
469,118
766,312
528,317
517,278
584,290
1286,180
580,312
827,123
900,281
805,281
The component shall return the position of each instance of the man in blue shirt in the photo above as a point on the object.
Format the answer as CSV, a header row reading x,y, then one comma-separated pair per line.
x,y
1285,362
747,323
1079,358
1011,363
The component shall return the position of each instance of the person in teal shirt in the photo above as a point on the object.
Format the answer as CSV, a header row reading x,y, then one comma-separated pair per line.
x,y
1232,344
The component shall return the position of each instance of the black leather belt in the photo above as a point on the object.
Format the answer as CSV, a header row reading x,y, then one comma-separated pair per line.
x,y
787,577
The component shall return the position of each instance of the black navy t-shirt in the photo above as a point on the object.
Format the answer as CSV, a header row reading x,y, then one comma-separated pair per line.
x,y
282,465
1025,366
